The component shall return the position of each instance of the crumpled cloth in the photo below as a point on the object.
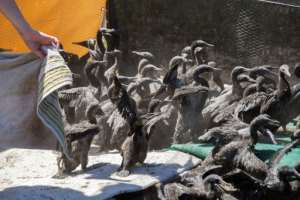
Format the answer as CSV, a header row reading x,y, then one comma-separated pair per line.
x,y
29,101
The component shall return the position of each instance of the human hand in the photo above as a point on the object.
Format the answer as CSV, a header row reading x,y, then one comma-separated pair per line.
x,y
35,40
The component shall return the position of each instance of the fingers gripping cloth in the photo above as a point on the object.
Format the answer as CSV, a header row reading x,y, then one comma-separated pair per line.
x,y
53,75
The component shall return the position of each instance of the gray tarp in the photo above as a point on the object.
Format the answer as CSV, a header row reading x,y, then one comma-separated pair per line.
x,y
28,86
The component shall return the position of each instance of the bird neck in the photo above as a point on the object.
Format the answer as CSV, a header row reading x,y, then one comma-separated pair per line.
x,y
253,133
210,193
142,63
106,57
259,86
90,76
236,87
109,58
198,59
116,61
201,81
90,116
283,84
137,130
250,90
152,108
114,66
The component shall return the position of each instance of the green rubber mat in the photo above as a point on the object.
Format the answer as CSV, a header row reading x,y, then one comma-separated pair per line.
x,y
263,151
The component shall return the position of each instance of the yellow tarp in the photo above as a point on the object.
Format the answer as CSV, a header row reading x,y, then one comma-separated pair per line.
x,y
68,20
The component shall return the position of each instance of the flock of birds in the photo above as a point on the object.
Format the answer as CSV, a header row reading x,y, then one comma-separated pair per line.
x,y
186,102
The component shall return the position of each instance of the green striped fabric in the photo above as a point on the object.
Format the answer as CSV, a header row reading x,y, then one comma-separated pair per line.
x,y
54,75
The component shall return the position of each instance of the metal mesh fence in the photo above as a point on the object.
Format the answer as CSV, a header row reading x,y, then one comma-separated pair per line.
x,y
249,39
254,25
246,32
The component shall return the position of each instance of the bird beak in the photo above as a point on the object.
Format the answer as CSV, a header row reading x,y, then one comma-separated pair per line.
x,y
287,72
83,44
296,174
271,68
227,187
247,69
285,69
185,55
198,49
184,59
273,124
217,69
271,135
210,45
167,101
117,51
204,138
107,34
157,69
252,80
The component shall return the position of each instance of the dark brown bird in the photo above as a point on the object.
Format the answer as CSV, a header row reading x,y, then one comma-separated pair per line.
x,y
199,51
135,146
79,137
278,177
212,187
240,153
275,104
253,98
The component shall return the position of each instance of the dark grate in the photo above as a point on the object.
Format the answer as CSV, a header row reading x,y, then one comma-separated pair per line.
x,y
247,30
252,20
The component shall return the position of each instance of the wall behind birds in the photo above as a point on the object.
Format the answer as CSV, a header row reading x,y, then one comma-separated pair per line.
x,y
244,32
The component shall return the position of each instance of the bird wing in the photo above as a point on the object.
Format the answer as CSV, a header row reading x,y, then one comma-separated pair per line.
x,y
81,130
248,161
274,103
151,119
125,104
66,96
226,154
127,108
249,107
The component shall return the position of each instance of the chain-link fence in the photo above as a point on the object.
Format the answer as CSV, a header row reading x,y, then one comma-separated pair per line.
x,y
251,32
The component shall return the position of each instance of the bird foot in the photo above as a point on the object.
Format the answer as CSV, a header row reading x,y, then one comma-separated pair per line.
x,y
123,173
139,164
60,175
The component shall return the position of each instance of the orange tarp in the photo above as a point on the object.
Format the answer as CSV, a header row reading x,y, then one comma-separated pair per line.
x,y
68,20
